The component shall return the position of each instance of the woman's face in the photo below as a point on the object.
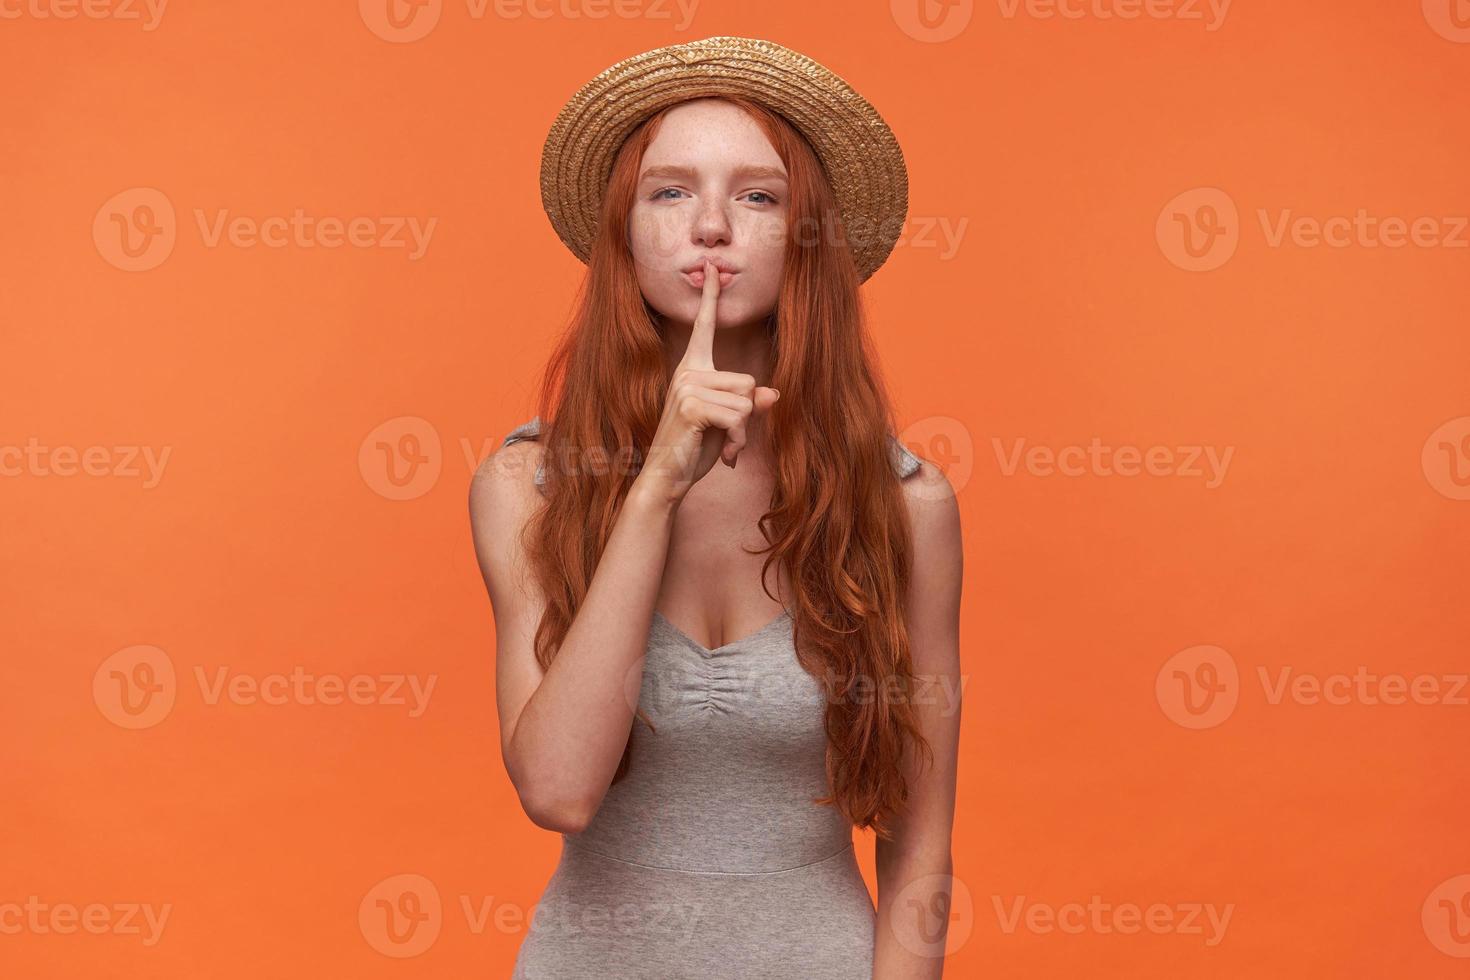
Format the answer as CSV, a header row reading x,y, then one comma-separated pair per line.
x,y
710,185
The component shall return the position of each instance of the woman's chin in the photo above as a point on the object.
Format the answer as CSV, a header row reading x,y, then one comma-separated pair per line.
x,y
727,315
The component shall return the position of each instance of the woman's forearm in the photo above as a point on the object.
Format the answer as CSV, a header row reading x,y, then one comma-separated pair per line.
x,y
570,735
914,908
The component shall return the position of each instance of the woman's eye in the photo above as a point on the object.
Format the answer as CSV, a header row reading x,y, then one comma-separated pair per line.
x,y
658,195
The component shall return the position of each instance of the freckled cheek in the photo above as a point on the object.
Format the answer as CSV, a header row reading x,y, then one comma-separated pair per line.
x,y
656,238
765,246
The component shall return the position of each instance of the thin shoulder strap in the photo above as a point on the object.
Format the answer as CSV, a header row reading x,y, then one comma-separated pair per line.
x,y
905,463
527,430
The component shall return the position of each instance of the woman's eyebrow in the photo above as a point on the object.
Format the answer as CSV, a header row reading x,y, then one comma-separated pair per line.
x,y
669,170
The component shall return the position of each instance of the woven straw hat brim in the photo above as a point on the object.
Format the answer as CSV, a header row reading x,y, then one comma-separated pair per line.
x,y
859,152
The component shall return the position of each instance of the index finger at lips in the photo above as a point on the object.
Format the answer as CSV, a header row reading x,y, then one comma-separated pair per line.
x,y
700,353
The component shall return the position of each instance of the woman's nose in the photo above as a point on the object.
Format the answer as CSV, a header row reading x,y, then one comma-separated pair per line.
x,y
712,226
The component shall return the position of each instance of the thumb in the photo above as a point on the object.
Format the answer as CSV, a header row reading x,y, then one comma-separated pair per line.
x,y
764,398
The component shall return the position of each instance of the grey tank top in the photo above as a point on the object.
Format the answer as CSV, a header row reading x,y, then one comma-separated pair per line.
x,y
711,848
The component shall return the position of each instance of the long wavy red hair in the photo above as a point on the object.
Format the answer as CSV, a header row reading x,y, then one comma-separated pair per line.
x,y
836,522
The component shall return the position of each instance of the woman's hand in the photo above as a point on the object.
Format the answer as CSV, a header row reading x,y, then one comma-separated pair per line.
x,y
705,412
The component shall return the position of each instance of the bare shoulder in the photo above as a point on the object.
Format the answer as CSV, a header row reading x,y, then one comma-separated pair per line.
x,y
506,478
938,569
502,498
933,511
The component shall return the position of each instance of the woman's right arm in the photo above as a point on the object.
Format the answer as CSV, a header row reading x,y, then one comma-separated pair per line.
x,y
563,730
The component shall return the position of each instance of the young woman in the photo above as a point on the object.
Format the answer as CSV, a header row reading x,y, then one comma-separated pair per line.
x,y
708,675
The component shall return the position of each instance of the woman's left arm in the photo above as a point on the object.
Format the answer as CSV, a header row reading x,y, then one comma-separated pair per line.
x,y
915,868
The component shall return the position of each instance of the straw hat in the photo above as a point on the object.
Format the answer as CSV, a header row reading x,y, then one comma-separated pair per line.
x,y
857,149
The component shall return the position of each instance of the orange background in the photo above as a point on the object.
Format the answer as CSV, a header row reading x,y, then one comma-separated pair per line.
x,y
1335,541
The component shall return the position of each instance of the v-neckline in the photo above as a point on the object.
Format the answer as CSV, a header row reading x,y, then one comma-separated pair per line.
x,y
785,615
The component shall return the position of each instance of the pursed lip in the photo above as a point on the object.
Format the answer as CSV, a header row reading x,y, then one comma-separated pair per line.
x,y
720,264
696,278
